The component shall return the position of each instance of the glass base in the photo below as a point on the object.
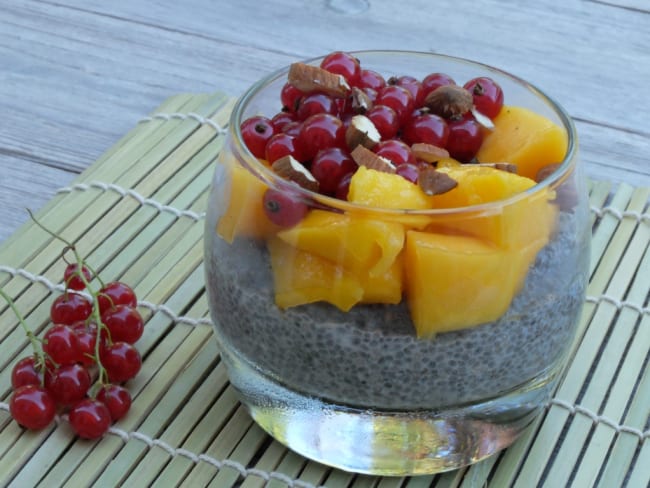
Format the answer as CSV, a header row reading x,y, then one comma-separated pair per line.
x,y
386,443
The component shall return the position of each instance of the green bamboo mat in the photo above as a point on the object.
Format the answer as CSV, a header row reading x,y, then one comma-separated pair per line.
x,y
137,215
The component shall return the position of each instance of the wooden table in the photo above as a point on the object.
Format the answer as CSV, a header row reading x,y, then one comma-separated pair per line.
x,y
79,74
76,75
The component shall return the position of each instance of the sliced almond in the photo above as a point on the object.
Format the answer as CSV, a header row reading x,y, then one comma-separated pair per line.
x,y
290,169
509,167
484,120
309,78
360,101
435,182
449,101
365,157
429,152
361,131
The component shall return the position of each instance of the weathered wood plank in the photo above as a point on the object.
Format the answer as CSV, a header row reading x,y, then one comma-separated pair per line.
x,y
78,74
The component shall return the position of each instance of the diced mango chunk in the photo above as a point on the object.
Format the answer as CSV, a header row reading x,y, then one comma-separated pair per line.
x,y
244,215
389,191
386,287
525,138
512,226
300,277
357,243
456,281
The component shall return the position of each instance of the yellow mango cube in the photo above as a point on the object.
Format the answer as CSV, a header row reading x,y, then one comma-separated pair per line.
x,y
300,277
456,281
244,214
512,226
389,191
525,138
356,243
386,287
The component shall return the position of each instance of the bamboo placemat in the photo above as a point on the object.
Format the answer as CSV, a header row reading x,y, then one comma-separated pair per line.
x,y
136,214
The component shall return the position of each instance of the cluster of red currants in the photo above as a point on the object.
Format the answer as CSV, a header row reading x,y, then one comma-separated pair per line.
x,y
58,377
311,126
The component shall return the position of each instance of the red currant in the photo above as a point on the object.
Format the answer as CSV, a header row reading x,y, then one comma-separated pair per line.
x,y
487,94
316,103
289,97
285,209
116,398
343,64
68,384
385,120
61,345
427,128
70,308
256,132
32,407
318,132
292,129
281,119
435,80
343,187
408,171
86,341
465,139
412,85
90,419
281,145
329,166
398,98
394,150
124,323
116,293
121,360
371,79
25,373
72,278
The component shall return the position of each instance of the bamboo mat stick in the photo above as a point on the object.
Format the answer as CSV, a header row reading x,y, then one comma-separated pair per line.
x,y
578,371
612,355
199,439
537,442
148,140
292,465
133,139
267,462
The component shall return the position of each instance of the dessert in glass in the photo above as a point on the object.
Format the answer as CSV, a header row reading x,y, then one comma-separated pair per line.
x,y
396,255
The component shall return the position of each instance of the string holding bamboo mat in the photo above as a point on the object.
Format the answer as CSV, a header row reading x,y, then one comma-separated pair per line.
x,y
137,215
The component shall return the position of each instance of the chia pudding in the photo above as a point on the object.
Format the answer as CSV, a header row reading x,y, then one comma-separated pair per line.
x,y
371,356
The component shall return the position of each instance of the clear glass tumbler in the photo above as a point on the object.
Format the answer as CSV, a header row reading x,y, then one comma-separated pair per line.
x,y
359,389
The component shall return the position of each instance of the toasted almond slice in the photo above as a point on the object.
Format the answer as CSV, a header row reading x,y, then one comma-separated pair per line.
x,y
290,169
509,167
435,182
308,78
360,102
361,131
484,120
365,157
428,152
449,101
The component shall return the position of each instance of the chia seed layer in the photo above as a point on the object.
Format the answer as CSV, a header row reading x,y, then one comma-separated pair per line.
x,y
370,356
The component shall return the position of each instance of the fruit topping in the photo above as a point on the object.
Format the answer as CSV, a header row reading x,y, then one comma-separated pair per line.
x,y
406,145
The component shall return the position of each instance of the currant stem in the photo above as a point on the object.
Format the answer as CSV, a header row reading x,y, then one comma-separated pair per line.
x,y
35,341
103,375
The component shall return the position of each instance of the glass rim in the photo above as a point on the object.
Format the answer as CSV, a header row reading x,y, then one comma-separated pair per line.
x,y
269,177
